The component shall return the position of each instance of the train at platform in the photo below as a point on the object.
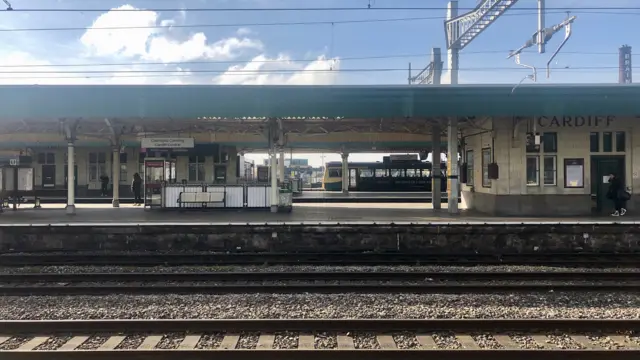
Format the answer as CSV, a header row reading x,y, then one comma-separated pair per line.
x,y
396,173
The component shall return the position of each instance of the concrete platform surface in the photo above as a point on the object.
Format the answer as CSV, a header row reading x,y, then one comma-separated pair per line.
x,y
326,214
305,197
364,196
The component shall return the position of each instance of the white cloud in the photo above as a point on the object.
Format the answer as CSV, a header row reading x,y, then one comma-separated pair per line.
x,y
125,42
139,46
243,31
153,44
321,71
166,50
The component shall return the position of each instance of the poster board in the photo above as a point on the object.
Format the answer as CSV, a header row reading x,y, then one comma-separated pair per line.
x,y
573,173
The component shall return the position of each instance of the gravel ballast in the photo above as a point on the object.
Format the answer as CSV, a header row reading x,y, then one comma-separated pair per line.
x,y
403,306
297,268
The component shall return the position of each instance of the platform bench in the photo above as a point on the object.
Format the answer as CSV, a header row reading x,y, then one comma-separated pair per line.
x,y
201,197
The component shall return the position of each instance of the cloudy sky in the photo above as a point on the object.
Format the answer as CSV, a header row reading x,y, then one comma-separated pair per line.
x,y
172,42
236,47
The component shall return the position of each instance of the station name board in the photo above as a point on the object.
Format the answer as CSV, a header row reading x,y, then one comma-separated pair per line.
x,y
167,143
575,121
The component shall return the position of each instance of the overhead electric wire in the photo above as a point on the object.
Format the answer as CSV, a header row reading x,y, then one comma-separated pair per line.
x,y
318,9
258,24
276,61
240,71
288,23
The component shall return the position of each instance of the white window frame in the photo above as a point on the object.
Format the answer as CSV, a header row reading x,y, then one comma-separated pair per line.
x,y
199,164
470,166
541,156
96,168
555,170
526,166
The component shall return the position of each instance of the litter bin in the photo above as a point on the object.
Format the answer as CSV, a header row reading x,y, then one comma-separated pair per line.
x,y
285,200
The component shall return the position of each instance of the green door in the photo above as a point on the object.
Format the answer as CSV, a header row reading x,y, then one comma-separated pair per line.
x,y
601,167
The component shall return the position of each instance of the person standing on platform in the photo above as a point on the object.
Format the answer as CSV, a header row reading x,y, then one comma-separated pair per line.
x,y
104,185
136,188
618,195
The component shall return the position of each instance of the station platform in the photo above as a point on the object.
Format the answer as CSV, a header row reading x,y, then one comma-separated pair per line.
x,y
365,197
315,196
344,213
312,228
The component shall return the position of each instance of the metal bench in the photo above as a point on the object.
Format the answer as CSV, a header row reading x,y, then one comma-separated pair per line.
x,y
201,197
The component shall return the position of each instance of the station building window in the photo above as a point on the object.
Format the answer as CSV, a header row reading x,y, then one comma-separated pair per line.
x,y
550,142
196,168
97,166
550,168
47,158
594,142
611,142
469,158
607,141
533,170
486,160
123,168
621,141
549,147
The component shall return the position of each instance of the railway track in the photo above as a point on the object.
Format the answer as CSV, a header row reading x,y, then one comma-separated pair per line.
x,y
310,339
316,282
390,258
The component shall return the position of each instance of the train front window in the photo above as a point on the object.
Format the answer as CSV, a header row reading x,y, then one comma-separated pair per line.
x,y
426,173
335,172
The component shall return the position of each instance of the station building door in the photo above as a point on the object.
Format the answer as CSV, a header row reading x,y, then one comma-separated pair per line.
x,y
601,167
47,161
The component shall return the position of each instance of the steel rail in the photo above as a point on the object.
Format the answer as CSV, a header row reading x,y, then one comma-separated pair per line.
x,y
151,259
335,354
495,326
24,327
297,289
430,276
311,288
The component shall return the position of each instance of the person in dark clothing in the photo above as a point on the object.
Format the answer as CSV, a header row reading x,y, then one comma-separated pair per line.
x,y
136,188
104,185
617,194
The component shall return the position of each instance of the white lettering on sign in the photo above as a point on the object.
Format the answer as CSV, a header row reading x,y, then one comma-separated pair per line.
x,y
167,143
14,162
